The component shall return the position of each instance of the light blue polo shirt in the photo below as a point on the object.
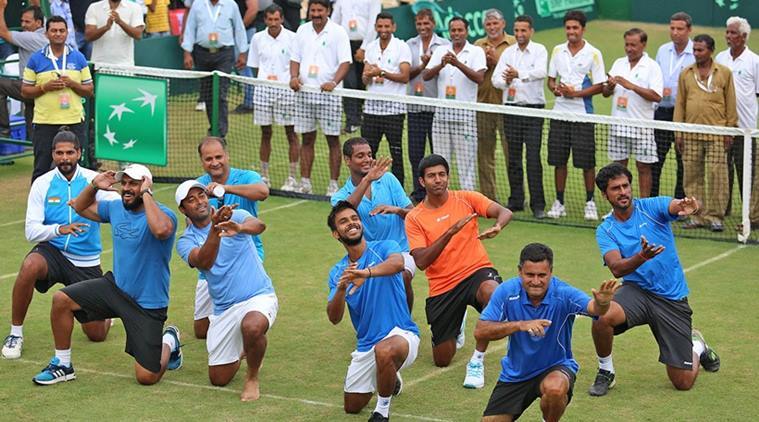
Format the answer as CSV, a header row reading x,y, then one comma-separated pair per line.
x,y
379,305
663,275
237,273
386,190
530,356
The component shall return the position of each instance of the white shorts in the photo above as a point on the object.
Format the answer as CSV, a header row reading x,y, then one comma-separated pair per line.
x,y
224,342
644,148
325,109
408,263
273,106
203,303
362,371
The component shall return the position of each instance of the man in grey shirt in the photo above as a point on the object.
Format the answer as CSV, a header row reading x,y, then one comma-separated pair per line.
x,y
30,40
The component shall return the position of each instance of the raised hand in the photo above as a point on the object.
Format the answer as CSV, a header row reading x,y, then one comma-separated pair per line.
x,y
605,293
384,209
378,168
686,206
229,228
355,276
491,232
649,250
74,229
147,183
535,327
461,223
105,180
222,214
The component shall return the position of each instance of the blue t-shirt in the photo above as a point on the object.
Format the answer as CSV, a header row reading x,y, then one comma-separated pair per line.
x,y
530,356
379,305
239,177
140,260
237,274
663,275
385,191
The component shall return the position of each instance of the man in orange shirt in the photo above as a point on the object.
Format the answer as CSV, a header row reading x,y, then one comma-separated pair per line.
x,y
445,241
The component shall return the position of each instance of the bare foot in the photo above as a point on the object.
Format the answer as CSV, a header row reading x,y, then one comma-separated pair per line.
x,y
250,391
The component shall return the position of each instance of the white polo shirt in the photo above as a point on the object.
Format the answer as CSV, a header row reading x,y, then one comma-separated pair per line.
x,y
453,83
582,70
531,64
746,80
357,18
626,103
320,54
271,55
389,60
115,46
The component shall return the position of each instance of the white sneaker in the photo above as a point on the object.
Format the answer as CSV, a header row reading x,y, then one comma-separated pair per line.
x,y
475,375
305,187
290,185
266,181
332,188
557,210
461,338
200,106
398,384
12,346
591,213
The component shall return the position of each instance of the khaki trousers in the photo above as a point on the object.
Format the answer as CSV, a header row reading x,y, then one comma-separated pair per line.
x,y
702,158
487,126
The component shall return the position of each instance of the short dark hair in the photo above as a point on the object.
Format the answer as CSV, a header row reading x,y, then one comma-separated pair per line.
x,y
340,206
272,9
65,135
536,252
637,31
208,139
432,160
325,3
350,143
576,15
425,13
609,172
54,19
524,18
682,16
460,19
385,15
38,14
706,39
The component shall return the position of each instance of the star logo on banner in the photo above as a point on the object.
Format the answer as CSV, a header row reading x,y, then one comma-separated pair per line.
x,y
130,144
118,110
110,136
147,99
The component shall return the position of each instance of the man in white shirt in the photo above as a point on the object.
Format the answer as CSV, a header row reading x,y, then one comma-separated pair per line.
x,y
269,53
386,71
575,74
320,59
357,17
520,74
636,83
744,64
113,44
459,70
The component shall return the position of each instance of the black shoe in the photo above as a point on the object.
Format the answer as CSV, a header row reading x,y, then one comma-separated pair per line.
x,y
603,383
717,227
515,207
348,129
243,109
709,359
377,417
539,214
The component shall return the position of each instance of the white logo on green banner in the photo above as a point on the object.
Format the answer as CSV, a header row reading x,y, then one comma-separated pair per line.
x,y
130,119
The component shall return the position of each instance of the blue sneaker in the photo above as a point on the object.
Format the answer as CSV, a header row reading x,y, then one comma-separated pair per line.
x,y
175,358
54,373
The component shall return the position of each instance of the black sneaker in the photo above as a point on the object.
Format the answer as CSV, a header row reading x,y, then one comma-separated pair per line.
x,y
603,383
377,417
709,359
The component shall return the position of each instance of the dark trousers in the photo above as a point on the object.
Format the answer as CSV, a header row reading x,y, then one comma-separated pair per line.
x,y
528,131
664,141
42,140
419,135
12,88
735,168
391,127
223,60
353,106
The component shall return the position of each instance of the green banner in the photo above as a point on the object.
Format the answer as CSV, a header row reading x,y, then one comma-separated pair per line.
x,y
130,119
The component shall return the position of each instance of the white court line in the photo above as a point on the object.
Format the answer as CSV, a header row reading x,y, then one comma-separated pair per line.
x,y
714,258
229,390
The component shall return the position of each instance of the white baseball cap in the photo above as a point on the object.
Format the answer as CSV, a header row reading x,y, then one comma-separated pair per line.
x,y
135,171
184,189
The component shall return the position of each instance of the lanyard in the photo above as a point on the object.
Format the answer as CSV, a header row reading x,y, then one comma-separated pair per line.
x,y
676,65
210,14
54,60
708,87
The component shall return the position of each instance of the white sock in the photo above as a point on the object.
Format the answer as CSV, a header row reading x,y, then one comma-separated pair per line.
x,y
699,347
477,356
264,169
333,182
64,356
293,169
607,364
383,405
168,340
305,181
17,330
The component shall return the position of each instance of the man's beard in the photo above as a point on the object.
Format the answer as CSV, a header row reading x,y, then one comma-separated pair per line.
x,y
137,203
351,242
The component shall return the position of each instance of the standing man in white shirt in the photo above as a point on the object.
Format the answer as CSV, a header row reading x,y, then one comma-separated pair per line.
x,y
636,83
459,70
357,17
672,57
386,71
575,74
744,64
269,53
320,59
520,74
113,44
420,116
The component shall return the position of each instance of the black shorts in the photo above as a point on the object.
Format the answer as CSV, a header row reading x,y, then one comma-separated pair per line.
x,y
669,320
513,398
60,269
101,298
577,138
446,311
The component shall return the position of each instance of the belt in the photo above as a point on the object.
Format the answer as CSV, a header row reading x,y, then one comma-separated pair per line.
x,y
218,49
666,108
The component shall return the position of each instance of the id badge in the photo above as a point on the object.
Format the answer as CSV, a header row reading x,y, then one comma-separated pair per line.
x,y
511,94
64,101
622,103
353,25
419,89
313,71
213,41
271,78
450,92
667,94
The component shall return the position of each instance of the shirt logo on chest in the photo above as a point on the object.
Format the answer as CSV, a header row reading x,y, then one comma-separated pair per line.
x,y
125,231
442,218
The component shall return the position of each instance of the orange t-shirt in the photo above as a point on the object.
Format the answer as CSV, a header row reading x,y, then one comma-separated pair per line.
x,y
464,254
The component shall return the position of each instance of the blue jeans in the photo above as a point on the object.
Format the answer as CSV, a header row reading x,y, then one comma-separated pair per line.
x,y
84,46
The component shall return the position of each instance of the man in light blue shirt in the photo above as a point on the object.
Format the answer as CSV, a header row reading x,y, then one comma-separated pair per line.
x,y
219,244
536,310
213,31
62,8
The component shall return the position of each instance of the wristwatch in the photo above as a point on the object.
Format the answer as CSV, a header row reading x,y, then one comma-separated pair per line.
x,y
148,190
382,73
94,186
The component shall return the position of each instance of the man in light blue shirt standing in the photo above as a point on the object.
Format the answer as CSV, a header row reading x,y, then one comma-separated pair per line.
x,y
62,8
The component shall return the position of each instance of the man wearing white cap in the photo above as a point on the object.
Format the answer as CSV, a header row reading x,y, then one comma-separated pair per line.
x,y
138,289
218,243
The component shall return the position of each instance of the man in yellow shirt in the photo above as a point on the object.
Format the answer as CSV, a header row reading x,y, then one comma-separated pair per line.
x,y
157,18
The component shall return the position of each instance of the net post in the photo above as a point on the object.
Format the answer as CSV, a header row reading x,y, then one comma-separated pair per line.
x,y
745,232
214,104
